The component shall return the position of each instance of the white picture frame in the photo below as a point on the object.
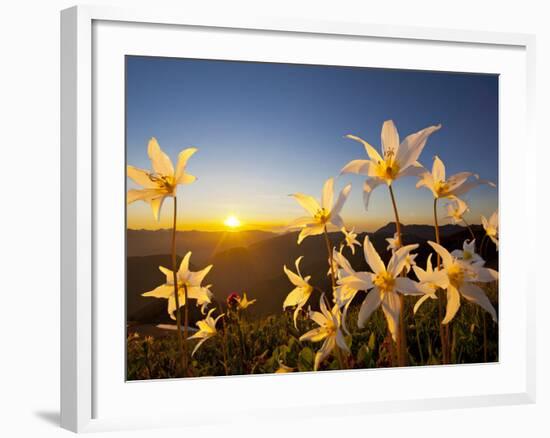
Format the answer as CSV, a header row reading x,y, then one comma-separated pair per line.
x,y
81,337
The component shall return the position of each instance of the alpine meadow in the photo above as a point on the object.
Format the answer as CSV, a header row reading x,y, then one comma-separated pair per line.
x,y
287,218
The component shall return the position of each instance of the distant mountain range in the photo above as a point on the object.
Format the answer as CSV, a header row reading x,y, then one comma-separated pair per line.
x,y
203,244
252,261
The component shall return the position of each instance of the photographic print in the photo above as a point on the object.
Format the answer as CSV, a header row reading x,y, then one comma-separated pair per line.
x,y
286,218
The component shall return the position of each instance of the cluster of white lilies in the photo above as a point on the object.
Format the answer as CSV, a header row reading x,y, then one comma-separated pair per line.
x,y
384,286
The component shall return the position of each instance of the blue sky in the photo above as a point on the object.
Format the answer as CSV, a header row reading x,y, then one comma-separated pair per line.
x,y
267,130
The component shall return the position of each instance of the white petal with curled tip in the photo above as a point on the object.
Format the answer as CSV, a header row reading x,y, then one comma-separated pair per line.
x,y
159,160
415,169
419,303
453,304
360,167
341,341
328,194
163,291
399,259
295,297
457,180
324,351
445,255
372,257
439,278
184,265
146,195
295,279
484,275
407,287
411,148
301,222
140,177
476,295
314,335
392,308
198,345
310,230
370,304
344,193
358,281
183,157
169,274
309,203
389,137
196,278
438,170
337,220
172,304
368,186
186,179
342,262
371,152
156,205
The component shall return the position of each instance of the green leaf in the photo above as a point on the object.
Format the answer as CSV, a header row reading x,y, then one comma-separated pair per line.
x,y
306,359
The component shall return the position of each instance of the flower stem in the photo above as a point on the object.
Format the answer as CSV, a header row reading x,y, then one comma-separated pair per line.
x,y
401,334
329,250
397,222
469,229
224,340
340,358
181,344
442,329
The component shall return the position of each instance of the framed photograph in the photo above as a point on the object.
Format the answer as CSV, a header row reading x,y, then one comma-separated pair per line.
x,y
316,216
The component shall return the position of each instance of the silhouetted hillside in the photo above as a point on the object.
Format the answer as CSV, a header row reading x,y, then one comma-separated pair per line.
x,y
258,268
203,244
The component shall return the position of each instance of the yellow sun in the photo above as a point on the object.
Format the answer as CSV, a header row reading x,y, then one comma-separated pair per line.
x,y
232,222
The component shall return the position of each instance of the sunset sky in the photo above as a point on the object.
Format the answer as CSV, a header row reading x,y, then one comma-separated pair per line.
x,y
267,130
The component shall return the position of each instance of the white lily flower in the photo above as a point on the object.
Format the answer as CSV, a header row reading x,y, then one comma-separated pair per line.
x,y
185,278
300,294
346,289
321,214
456,210
491,227
468,253
385,284
455,185
409,262
460,280
328,331
207,330
351,239
393,243
429,281
162,181
397,160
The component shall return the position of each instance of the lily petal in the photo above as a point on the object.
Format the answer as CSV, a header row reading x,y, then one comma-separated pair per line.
x,y
370,304
309,203
392,308
476,295
181,177
372,257
453,304
389,137
159,160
